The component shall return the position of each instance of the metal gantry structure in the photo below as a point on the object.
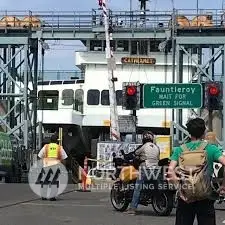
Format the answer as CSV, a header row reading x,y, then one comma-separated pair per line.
x,y
201,41
18,69
19,45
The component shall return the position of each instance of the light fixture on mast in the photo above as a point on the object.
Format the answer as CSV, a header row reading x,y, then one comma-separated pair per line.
x,y
114,124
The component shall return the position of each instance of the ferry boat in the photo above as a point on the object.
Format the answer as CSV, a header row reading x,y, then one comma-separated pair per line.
x,y
81,106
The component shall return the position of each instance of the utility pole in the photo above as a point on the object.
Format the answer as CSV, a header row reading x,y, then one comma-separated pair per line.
x,y
197,9
134,135
114,124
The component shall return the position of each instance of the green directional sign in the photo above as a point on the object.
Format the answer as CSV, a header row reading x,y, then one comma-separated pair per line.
x,y
177,96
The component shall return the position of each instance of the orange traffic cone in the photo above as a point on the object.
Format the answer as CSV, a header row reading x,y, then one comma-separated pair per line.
x,y
84,173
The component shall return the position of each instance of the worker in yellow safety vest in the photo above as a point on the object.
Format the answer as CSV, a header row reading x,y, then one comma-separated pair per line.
x,y
52,154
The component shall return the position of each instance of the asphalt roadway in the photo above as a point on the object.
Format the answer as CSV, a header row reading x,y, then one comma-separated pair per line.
x,y
20,206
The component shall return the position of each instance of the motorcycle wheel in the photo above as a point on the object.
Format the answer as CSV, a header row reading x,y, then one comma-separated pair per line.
x,y
162,203
117,197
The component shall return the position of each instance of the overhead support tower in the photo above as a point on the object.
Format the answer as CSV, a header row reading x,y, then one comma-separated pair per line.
x,y
195,43
18,69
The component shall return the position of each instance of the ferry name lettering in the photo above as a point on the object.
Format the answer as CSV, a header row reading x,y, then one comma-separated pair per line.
x,y
138,60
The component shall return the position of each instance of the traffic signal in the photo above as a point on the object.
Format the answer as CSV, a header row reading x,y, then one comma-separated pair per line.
x,y
213,95
131,96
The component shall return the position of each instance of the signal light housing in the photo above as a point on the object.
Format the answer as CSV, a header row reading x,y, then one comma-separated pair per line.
x,y
213,90
131,96
131,90
213,95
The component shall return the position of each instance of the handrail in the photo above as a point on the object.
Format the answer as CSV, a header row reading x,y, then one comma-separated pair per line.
x,y
58,74
120,19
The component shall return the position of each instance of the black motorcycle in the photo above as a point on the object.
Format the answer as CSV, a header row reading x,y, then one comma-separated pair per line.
x,y
156,192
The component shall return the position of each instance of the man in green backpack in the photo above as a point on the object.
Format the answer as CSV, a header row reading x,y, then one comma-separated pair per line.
x,y
192,167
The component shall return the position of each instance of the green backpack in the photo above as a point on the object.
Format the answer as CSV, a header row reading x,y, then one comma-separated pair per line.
x,y
195,183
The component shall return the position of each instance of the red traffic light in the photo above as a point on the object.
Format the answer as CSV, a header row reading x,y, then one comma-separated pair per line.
x,y
213,90
131,90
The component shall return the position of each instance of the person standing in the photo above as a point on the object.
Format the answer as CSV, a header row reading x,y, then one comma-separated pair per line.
x,y
148,156
52,155
195,203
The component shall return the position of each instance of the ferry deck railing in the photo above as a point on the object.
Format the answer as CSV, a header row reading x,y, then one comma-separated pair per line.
x,y
87,20
58,75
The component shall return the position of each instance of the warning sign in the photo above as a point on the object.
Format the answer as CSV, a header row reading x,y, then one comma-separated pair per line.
x,y
126,124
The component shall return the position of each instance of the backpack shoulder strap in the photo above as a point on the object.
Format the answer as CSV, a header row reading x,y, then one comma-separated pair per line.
x,y
203,145
184,148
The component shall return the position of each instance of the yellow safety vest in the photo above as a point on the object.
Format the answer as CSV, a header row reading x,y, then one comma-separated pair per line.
x,y
52,154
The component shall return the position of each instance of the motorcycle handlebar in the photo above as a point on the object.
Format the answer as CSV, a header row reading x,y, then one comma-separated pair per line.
x,y
130,162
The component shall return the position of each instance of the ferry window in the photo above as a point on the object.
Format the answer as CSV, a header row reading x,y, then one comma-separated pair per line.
x,y
96,45
139,47
67,97
134,49
79,96
48,100
56,82
119,97
143,47
105,97
69,82
93,97
123,46
43,82
154,45
112,45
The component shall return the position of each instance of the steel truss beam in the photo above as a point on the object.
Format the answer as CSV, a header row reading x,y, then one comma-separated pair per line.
x,y
205,71
18,89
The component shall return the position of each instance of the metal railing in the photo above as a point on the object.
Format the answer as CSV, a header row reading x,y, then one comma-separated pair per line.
x,y
87,20
57,75
84,20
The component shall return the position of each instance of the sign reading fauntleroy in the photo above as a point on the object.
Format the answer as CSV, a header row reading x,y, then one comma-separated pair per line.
x,y
179,96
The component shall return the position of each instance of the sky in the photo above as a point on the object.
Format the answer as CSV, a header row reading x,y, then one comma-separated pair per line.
x,y
61,55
